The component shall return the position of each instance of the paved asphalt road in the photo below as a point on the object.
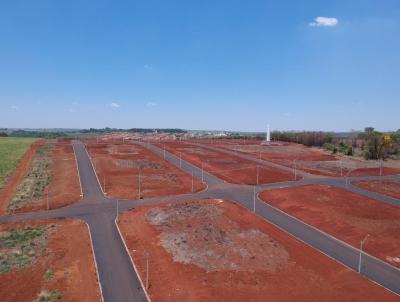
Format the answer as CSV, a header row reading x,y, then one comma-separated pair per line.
x,y
118,278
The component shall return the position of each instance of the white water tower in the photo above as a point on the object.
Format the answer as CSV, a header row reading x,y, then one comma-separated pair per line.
x,y
268,138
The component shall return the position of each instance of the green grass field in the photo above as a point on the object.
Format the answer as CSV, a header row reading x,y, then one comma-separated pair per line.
x,y
11,151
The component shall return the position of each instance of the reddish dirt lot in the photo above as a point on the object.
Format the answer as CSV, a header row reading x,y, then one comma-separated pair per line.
x,y
345,215
64,188
231,168
386,187
119,164
68,256
312,160
214,248
13,181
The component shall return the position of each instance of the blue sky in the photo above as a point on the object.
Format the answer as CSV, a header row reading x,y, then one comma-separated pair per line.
x,y
233,65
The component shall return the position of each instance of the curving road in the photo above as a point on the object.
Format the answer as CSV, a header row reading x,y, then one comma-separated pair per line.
x,y
118,278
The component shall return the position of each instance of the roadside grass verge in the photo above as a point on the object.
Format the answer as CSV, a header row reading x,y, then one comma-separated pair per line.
x,y
11,151
35,181
19,247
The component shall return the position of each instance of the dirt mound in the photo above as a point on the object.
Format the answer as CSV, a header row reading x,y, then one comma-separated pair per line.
x,y
216,262
201,234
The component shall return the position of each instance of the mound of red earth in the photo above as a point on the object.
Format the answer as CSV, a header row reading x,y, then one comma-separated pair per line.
x,y
59,264
230,168
123,168
214,249
345,215
386,187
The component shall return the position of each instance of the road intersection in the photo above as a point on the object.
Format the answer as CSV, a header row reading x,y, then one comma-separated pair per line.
x,y
118,278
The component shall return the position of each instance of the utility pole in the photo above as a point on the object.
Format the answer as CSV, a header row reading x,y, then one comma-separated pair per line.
x,y
117,210
47,199
192,183
180,159
139,184
341,169
202,173
380,167
361,251
254,199
147,271
258,174
295,170
164,151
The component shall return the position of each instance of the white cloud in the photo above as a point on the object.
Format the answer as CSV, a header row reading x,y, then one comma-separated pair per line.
x,y
114,105
71,110
148,67
151,104
13,107
324,21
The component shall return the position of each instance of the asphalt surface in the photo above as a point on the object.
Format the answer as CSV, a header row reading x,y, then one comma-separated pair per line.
x,y
118,279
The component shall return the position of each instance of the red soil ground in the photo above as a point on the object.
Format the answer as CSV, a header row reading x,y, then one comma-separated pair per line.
x,y
212,248
386,187
68,255
345,215
64,188
311,160
231,168
14,180
119,164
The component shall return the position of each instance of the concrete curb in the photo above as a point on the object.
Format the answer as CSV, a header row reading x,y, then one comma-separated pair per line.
x,y
133,263
95,262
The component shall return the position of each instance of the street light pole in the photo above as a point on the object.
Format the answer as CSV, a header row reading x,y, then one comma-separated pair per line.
x,y
117,210
192,183
258,174
254,199
147,271
139,184
361,251
47,199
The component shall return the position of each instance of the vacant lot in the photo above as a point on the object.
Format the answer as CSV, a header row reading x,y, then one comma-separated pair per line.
x,y
124,168
11,152
51,180
311,160
231,168
214,248
47,261
386,187
345,215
